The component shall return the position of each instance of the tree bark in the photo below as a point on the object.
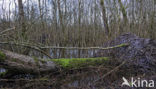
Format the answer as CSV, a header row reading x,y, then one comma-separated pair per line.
x,y
104,17
21,19
123,10
24,64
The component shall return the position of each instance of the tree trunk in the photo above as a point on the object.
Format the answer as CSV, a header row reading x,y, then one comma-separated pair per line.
x,y
21,19
104,17
124,14
24,64
123,10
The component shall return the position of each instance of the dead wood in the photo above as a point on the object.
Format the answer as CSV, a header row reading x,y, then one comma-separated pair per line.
x,y
25,64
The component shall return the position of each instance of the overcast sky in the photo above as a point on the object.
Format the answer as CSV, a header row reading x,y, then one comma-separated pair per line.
x,y
6,4
12,4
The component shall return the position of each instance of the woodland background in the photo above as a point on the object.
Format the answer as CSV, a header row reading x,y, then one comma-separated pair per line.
x,y
29,26
79,23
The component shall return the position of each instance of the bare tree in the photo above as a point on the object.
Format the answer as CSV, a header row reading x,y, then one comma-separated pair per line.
x,y
105,21
22,19
76,22
60,15
123,10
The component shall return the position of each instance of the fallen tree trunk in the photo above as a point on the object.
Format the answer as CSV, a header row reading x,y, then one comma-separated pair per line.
x,y
18,63
24,64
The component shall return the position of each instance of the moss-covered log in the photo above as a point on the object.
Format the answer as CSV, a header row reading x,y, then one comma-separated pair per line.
x,y
24,64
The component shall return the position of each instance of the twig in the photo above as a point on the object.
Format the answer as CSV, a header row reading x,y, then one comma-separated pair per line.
x,y
29,80
85,48
55,47
6,30
39,48
28,46
116,68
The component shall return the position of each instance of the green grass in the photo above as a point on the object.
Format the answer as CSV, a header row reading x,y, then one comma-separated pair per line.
x,y
79,62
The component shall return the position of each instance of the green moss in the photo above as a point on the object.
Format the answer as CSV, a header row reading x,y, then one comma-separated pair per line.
x,y
44,79
79,62
2,56
122,45
14,60
43,61
37,60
